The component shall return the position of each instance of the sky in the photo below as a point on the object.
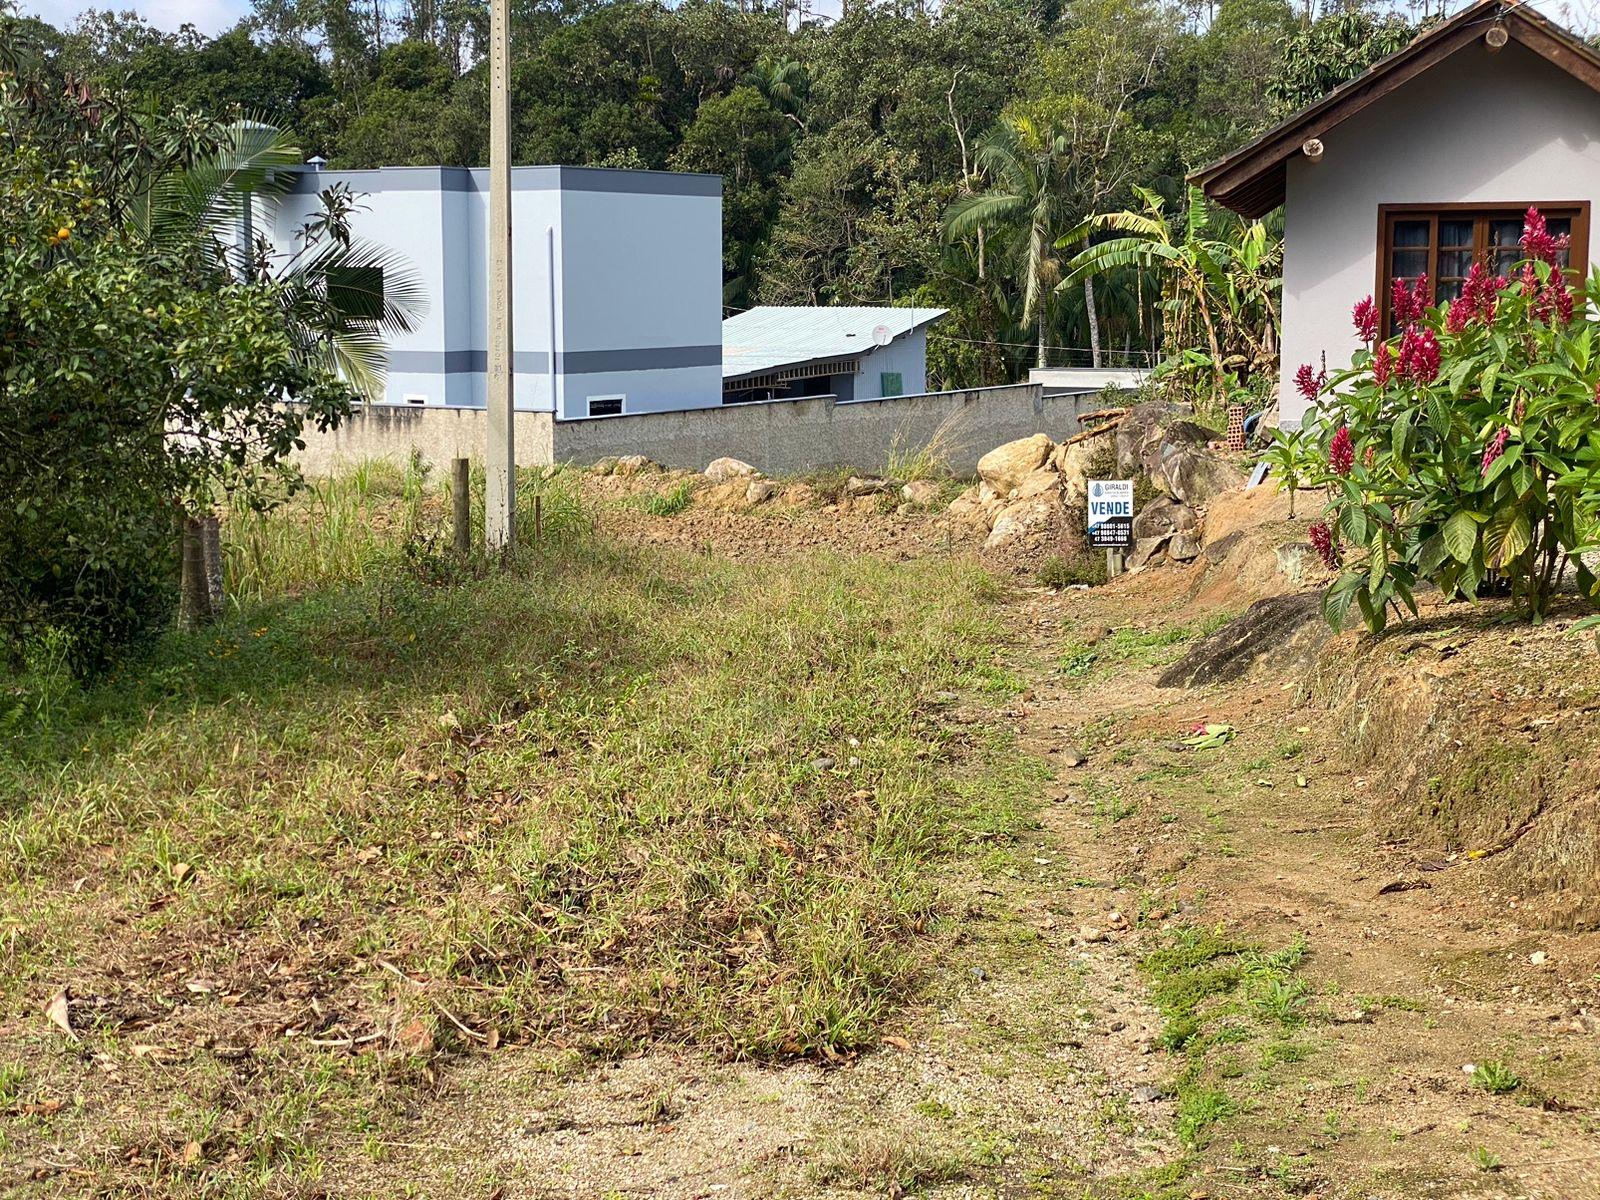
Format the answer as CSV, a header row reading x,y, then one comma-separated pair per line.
x,y
210,17
213,16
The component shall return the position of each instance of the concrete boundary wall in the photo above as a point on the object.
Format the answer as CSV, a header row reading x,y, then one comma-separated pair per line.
x,y
784,437
791,437
435,433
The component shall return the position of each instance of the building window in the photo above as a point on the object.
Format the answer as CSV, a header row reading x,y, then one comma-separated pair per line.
x,y
1442,241
606,406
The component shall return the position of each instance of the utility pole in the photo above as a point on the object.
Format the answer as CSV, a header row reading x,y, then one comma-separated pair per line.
x,y
500,493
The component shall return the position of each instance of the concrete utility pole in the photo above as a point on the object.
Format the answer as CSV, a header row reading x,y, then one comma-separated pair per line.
x,y
500,500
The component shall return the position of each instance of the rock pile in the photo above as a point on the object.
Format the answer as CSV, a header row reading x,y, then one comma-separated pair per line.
x,y
1160,441
1025,486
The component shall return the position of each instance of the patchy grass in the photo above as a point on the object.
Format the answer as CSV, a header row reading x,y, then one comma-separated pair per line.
x,y
1215,993
668,503
403,806
1134,649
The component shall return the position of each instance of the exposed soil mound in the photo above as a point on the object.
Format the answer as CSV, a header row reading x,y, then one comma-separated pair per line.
x,y
1481,740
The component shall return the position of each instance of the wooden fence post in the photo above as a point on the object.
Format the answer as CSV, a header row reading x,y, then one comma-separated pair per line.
x,y
461,496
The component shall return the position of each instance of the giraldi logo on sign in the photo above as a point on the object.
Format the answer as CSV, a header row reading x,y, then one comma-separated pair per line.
x,y
1111,514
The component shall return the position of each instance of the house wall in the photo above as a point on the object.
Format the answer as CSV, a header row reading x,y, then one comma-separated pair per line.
x,y
634,257
782,437
1480,127
907,354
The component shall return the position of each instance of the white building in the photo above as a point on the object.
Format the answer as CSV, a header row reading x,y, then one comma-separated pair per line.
x,y
784,352
617,283
1417,168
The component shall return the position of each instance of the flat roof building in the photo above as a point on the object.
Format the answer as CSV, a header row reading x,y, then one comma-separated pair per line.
x,y
616,282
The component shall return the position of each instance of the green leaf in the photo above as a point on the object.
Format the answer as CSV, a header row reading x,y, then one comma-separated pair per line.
x,y
1508,534
1340,595
1460,535
1431,555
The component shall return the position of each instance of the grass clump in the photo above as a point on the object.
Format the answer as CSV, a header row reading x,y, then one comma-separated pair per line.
x,y
669,503
1496,1077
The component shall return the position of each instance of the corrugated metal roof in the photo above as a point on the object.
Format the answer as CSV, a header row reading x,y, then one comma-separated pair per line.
x,y
775,336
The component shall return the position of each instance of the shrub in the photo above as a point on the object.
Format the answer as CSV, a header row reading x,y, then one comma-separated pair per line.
x,y
1466,450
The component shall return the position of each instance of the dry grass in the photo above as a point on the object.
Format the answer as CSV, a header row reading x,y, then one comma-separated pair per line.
x,y
287,868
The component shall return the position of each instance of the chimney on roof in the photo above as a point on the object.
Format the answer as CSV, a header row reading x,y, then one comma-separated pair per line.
x,y
316,162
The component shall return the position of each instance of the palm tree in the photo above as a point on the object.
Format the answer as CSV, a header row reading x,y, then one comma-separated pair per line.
x,y
341,295
1025,207
785,84
1219,285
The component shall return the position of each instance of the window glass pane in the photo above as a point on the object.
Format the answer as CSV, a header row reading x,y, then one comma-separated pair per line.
x,y
1409,264
1455,233
1454,264
1410,233
1562,227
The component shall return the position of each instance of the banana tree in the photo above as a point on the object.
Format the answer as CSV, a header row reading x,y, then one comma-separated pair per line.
x,y
1218,286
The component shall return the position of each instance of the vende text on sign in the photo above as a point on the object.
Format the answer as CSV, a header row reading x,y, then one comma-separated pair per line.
x,y
1111,514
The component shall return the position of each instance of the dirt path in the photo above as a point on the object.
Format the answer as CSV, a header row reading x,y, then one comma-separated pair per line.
x,y
1201,976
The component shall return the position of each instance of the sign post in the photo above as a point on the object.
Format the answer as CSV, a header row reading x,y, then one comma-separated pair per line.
x,y
1110,521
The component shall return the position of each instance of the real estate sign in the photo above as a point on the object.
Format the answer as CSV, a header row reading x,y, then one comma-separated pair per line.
x,y
1111,514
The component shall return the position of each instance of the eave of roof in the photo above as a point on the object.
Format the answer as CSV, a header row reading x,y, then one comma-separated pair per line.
x,y
784,337
1251,180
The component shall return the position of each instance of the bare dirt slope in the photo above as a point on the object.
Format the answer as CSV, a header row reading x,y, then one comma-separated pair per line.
x,y
1209,972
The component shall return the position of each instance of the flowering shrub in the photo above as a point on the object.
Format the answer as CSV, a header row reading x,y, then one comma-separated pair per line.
x,y
1465,451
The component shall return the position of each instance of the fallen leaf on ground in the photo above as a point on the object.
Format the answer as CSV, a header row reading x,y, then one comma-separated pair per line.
x,y
60,1016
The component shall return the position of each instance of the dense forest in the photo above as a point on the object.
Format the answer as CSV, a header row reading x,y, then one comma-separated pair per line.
x,y
896,154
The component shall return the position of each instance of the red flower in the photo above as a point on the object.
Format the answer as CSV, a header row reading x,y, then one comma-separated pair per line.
x,y
1368,457
1479,296
1342,452
1409,303
1559,297
1365,316
1322,540
1308,383
1538,242
1419,355
1383,364
1495,448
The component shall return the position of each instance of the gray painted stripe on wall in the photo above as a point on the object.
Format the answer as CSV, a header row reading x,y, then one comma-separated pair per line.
x,y
523,179
537,362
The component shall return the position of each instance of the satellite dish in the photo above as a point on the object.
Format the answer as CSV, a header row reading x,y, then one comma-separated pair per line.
x,y
882,335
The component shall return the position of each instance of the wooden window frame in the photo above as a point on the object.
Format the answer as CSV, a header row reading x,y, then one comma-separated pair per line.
x,y
1578,256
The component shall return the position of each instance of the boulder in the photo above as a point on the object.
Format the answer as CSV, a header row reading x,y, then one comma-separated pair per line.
x,y
634,464
759,491
920,491
1005,467
1164,526
1143,430
1024,519
860,485
968,508
1072,462
721,470
604,466
1288,627
1193,473
1043,482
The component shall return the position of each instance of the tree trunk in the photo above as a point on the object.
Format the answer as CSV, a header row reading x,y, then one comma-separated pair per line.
x,y
1094,320
1043,362
194,595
